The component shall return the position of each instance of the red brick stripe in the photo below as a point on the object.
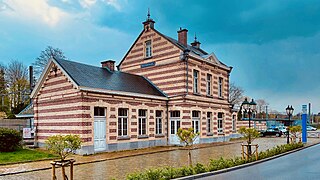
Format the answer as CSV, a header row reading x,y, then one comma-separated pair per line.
x,y
57,89
64,109
64,131
47,84
68,116
65,124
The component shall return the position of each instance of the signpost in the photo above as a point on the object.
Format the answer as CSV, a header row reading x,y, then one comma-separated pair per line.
x,y
304,123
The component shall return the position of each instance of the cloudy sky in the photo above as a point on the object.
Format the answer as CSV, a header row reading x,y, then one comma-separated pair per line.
x,y
274,46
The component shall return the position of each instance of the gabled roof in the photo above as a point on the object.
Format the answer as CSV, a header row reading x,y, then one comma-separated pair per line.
x,y
102,78
27,112
98,79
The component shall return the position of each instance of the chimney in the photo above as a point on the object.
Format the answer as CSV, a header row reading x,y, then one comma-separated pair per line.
x,y
195,43
182,36
108,64
31,80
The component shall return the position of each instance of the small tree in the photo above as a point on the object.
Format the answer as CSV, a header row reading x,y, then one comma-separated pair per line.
x,y
249,134
187,137
294,130
63,146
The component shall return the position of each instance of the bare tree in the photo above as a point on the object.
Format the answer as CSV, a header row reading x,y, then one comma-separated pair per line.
x,y
44,57
261,104
235,94
16,76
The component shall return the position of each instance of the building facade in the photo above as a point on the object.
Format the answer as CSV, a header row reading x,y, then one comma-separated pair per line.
x,y
161,85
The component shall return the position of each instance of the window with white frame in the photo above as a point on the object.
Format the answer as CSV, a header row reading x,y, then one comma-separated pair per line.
x,y
220,122
148,49
234,124
122,122
158,122
220,87
195,81
196,121
209,115
142,122
209,79
175,121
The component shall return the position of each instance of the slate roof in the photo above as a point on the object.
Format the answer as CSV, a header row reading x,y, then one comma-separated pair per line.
x,y
197,51
102,78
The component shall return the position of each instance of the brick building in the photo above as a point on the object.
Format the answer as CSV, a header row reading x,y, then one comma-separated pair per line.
x,y
162,84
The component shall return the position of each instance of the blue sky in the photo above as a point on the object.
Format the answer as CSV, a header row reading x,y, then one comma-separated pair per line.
x,y
272,45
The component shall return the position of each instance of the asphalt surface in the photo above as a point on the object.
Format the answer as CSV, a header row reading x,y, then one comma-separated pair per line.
x,y
302,165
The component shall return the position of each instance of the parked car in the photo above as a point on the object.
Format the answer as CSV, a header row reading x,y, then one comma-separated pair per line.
x,y
283,129
271,132
310,128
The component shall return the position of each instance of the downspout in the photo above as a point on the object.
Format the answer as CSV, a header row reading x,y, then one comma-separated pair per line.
x,y
185,57
167,106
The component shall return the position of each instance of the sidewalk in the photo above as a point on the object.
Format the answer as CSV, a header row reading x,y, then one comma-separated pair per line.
x,y
44,165
106,164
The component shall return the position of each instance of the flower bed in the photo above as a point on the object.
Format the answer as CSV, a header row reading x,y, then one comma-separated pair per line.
x,y
165,173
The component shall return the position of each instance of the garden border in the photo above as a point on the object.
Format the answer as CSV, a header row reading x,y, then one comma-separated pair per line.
x,y
206,174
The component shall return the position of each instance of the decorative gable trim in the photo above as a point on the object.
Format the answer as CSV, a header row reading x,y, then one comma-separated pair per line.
x,y
45,73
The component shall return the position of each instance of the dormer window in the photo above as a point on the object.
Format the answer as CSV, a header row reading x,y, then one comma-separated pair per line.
x,y
148,49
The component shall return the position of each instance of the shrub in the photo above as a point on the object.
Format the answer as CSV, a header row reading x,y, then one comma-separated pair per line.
x,y
10,139
63,145
199,168
214,165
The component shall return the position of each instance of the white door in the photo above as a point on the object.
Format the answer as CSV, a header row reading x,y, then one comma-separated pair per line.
x,y
174,126
196,129
100,134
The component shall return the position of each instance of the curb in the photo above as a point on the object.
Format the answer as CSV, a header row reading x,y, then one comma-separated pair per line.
x,y
206,174
105,159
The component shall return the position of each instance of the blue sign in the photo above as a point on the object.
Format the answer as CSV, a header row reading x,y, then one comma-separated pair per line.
x,y
148,64
304,123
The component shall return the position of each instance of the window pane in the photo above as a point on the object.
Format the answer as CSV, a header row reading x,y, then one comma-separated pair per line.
x,y
172,127
99,111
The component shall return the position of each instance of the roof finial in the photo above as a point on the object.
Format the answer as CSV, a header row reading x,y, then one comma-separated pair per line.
x,y
195,37
148,14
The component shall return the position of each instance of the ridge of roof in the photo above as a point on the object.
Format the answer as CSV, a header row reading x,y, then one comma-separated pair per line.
x,y
94,77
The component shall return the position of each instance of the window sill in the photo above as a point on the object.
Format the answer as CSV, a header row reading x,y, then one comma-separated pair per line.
x,y
196,94
209,96
147,58
210,134
123,138
221,98
143,136
159,135
220,133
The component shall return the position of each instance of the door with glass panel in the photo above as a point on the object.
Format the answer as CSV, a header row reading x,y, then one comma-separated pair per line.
x,y
174,126
99,129
196,125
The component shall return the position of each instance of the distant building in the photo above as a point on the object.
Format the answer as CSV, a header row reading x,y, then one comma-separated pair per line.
x,y
162,85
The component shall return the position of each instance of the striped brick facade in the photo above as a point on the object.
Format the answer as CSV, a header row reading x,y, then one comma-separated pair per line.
x,y
61,107
175,78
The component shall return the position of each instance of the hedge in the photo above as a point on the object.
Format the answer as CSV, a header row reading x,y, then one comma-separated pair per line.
x,y
10,139
166,173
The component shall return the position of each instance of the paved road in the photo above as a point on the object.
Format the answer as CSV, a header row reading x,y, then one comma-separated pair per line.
x,y
303,165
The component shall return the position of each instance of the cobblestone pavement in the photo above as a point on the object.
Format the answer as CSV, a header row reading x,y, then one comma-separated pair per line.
x,y
118,164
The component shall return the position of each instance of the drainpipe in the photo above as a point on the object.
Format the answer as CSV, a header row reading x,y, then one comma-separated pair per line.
x,y
167,106
185,57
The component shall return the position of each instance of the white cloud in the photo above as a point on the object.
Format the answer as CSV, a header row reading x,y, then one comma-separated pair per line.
x,y
114,3
38,10
87,3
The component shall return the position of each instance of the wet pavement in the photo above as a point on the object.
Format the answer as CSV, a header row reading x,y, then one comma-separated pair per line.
x,y
118,164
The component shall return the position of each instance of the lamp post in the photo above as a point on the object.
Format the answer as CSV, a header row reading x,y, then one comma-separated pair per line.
x,y
249,107
289,111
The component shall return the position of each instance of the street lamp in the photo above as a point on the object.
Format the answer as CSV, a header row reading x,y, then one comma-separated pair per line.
x,y
289,111
249,107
